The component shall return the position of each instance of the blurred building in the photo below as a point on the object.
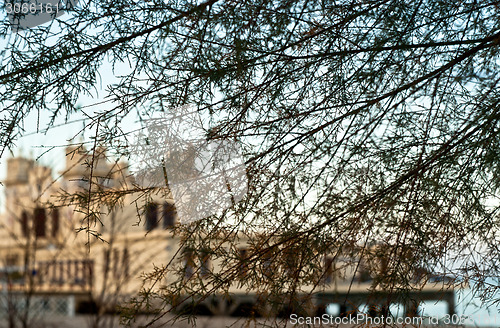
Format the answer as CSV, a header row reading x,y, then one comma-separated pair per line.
x,y
88,257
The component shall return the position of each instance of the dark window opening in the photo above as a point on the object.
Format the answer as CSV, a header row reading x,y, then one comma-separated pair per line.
x,y
55,222
169,215
363,274
116,264
329,270
205,264
40,220
151,216
243,266
189,265
107,261
24,224
267,264
290,259
126,262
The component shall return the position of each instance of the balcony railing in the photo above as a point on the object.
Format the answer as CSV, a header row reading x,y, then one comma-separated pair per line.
x,y
47,276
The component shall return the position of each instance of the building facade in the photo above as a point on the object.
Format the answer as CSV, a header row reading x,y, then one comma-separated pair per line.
x,y
55,242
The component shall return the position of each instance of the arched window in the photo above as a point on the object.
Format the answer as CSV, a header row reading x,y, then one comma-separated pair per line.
x,y
39,223
55,222
151,216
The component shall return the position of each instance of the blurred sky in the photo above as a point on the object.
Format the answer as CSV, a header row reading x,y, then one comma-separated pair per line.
x,y
47,146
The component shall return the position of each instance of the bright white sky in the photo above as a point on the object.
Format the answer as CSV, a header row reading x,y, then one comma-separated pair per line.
x,y
37,145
